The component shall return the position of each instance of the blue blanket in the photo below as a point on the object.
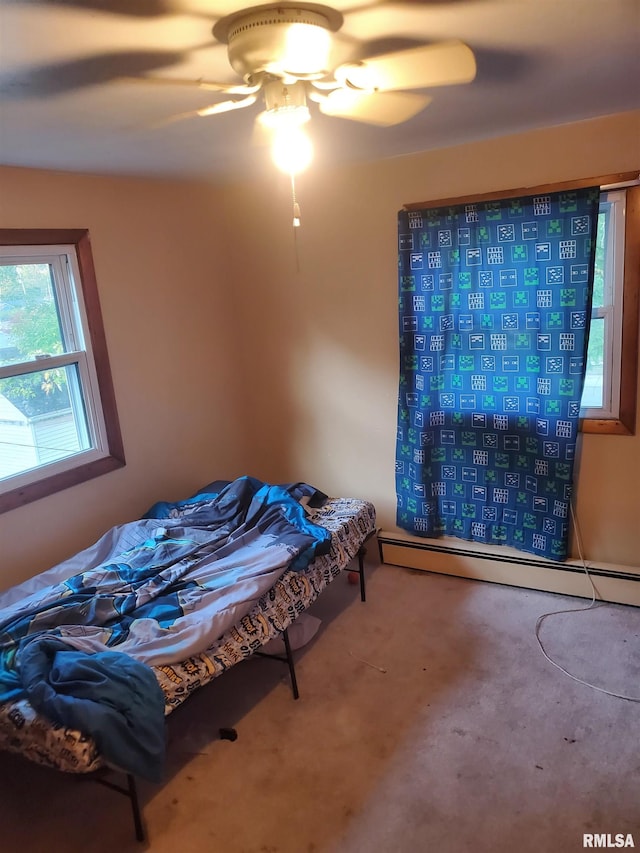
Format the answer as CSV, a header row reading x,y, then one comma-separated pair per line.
x,y
167,586
109,696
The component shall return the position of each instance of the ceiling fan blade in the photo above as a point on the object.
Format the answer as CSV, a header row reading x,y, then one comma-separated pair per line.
x,y
58,78
381,108
207,85
227,106
214,109
129,8
441,64
169,120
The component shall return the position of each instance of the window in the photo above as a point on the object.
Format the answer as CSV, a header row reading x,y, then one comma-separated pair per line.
x,y
609,397
611,387
58,419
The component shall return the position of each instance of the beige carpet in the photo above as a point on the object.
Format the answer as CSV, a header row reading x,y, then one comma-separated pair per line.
x,y
468,741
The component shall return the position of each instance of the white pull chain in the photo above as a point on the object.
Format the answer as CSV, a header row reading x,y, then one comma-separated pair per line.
x,y
296,220
296,206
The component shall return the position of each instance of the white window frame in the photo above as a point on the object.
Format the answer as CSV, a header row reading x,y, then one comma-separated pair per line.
x,y
617,416
73,279
611,309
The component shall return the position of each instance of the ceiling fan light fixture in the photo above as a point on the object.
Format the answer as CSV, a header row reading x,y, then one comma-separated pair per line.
x,y
279,95
306,50
291,150
286,105
281,118
282,40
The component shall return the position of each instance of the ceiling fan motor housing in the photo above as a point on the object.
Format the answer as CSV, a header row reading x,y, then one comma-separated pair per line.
x,y
285,41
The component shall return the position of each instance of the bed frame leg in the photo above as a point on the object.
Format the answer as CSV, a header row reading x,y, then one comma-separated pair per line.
x,y
288,659
131,792
135,807
292,669
361,555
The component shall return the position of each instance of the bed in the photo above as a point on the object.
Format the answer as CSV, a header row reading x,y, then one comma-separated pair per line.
x,y
209,551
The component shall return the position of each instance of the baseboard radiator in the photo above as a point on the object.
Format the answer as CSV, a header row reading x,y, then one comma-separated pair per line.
x,y
457,557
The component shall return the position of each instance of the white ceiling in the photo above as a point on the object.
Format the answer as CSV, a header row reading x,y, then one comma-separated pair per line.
x,y
62,106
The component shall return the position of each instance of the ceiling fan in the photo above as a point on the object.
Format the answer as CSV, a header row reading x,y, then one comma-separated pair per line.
x,y
286,52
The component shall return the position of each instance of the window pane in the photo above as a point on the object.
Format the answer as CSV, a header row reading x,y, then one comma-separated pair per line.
x,y
601,255
42,419
29,317
593,393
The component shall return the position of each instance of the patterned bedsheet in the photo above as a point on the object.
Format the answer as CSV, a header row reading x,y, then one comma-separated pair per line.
x,y
350,521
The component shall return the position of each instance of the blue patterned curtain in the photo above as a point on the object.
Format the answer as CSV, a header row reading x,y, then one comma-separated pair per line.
x,y
495,305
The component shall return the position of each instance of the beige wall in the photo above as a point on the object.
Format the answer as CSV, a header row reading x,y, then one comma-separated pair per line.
x,y
236,350
171,332
325,390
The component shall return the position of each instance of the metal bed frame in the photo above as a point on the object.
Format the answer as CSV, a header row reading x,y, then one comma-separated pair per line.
x,y
130,790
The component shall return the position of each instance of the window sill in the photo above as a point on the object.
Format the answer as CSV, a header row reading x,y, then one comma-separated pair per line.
x,y
607,426
58,482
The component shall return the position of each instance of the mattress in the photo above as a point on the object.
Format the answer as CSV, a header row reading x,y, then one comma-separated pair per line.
x,y
350,522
